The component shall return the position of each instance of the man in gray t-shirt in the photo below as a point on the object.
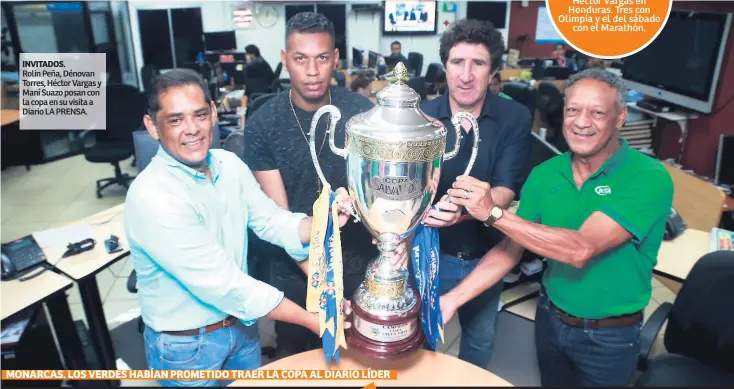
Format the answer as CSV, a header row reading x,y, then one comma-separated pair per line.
x,y
278,153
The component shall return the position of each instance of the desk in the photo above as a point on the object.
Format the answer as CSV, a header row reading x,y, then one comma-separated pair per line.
x,y
424,368
83,267
50,288
677,257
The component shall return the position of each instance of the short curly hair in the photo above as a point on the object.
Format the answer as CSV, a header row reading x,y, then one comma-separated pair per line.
x,y
309,23
473,31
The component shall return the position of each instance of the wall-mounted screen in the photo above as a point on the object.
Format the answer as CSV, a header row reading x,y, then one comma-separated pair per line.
x,y
403,17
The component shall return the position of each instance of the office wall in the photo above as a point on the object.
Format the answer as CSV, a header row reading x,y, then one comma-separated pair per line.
x,y
703,136
523,22
363,29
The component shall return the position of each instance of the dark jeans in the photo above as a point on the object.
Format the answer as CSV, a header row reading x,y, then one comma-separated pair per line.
x,y
293,339
571,356
477,317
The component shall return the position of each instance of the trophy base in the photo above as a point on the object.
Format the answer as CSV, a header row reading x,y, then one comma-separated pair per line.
x,y
391,337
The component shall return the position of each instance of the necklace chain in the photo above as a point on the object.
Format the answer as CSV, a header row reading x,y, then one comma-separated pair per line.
x,y
323,142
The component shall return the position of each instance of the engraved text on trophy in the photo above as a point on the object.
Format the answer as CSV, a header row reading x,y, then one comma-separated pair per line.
x,y
396,188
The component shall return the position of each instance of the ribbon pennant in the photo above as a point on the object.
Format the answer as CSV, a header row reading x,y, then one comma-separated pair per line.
x,y
325,293
424,255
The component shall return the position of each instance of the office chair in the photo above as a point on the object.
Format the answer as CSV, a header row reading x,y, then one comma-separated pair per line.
x,y
524,94
340,77
125,110
699,338
415,64
147,73
277,71
418,84
432,73
550,106
256,101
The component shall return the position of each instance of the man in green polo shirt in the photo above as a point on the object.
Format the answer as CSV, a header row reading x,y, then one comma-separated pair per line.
x,y
597,213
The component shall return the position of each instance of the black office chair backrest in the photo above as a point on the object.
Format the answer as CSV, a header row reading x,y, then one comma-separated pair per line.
x,y
432,72
701,323
340,77
415,64
278,69
147,73
523,93
418,84
550,98
126,106
257,100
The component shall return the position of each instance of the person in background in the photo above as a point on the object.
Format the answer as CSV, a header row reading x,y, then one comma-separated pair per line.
x,y
471,52
277,150
186,218
495,86
559,55
258,73
598,214
362,86
395,56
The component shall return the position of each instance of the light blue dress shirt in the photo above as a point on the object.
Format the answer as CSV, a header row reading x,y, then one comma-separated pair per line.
x,y
188,241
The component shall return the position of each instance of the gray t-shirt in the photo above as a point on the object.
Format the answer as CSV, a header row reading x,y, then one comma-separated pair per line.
x,y
274,140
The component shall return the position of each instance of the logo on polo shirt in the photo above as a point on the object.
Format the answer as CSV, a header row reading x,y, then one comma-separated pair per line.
x,y
603,190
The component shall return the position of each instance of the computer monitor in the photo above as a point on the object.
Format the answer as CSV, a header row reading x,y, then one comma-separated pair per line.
x,y
357,57
372,59
683,63
557,72
220,41
725,161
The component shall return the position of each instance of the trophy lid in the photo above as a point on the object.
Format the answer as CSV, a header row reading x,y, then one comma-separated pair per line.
x,y
397,116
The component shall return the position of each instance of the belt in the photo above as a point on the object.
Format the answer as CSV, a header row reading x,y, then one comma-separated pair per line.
x,y
594,324
225,323
468,255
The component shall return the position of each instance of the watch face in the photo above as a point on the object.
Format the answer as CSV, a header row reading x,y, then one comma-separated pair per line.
x,y
496,212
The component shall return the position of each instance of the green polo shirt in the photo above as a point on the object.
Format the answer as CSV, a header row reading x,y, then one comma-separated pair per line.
x,y
633,189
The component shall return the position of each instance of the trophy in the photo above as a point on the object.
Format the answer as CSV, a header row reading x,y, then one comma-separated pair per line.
x,y
394,154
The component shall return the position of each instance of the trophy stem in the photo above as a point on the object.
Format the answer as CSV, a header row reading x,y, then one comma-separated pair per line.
x,y
387,242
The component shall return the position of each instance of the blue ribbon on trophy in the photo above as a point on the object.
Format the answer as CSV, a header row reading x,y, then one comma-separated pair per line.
x,y
425,255
325,293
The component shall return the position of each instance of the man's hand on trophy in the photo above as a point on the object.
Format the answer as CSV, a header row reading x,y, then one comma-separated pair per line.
x,y
346,206
398,257
347,312
448,308
445,214
474,195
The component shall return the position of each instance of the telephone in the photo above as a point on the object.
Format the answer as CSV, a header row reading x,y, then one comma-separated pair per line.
x,y
674,226
20,257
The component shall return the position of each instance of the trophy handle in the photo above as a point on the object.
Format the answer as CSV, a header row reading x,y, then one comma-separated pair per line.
x,y
334,116
456,121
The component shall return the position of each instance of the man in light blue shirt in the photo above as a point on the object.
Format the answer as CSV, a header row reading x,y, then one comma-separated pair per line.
x,y
186,217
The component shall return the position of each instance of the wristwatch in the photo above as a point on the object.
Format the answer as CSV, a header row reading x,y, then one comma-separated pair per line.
x,y
495,213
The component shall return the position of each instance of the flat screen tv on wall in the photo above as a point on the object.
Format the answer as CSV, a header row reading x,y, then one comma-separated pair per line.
x,y
404,17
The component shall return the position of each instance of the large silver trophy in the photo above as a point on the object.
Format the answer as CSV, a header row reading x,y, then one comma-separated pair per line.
x,y
394,154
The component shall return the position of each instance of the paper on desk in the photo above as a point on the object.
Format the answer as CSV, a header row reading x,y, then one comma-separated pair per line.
x,y
62,236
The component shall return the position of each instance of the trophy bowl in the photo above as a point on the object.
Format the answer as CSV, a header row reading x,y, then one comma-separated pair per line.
x,y
394,154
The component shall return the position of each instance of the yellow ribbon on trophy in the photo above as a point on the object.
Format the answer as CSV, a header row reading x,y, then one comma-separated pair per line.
x,y
325,293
